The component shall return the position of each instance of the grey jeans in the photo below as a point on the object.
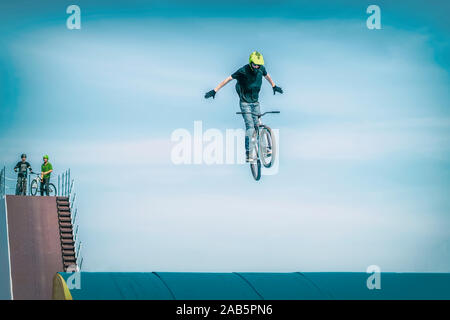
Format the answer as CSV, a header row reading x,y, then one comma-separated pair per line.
x,y
250,122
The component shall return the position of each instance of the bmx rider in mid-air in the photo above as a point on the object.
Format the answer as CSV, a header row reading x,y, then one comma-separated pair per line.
x,y
249,80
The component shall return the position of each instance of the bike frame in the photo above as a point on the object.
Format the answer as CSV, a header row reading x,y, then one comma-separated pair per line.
x,y
258,125
38,184
37,179
256,165
23,185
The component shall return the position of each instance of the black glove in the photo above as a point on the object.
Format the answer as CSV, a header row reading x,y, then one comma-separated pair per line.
x,y
277,89
210,94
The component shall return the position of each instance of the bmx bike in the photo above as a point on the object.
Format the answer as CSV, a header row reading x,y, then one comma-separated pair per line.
x,y
264,147
21,187
36,186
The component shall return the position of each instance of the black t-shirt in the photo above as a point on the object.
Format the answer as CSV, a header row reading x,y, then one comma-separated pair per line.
x,y
23,167
249,82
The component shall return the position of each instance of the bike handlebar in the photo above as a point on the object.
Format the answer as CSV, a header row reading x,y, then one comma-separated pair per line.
x,y
258,114
31,172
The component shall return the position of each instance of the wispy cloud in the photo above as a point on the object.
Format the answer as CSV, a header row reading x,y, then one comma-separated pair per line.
x,y
427,138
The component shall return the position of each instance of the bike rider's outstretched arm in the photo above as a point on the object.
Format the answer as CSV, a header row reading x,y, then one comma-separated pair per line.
x,y
274,87
212,93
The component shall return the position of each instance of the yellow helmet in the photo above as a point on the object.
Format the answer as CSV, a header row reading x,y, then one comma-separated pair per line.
x,y
256,58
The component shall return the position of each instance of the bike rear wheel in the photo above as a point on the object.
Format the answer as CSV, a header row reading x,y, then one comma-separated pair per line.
x,y
267,147
255,166
51,189
34,187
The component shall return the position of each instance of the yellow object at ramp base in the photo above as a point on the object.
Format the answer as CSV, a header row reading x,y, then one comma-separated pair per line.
x,y
60,289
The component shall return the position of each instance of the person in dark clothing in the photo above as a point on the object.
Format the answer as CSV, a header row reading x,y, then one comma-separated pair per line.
x,y
248,85
22,168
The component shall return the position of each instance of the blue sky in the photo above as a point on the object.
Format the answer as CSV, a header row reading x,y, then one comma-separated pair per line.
x,y
364,131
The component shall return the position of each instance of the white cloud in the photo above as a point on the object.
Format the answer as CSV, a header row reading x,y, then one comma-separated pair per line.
x,y
210,232
128,152
427,137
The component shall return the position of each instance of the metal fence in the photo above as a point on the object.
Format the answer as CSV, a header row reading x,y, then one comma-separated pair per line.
x,y
7,184
65,184
67,189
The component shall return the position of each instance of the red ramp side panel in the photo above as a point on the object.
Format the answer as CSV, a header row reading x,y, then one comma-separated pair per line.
x,y
35,245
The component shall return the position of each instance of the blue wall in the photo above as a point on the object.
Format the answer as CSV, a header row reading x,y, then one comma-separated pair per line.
x,y
257,285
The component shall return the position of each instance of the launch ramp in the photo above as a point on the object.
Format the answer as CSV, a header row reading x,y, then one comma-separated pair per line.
x,y
32,242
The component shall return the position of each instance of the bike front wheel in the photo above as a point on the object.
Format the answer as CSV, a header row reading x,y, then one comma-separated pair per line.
x,y
51,189
34,187
267,147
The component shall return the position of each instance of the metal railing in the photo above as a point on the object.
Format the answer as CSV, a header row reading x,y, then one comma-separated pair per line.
x,y
7,184
65,184
66,189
